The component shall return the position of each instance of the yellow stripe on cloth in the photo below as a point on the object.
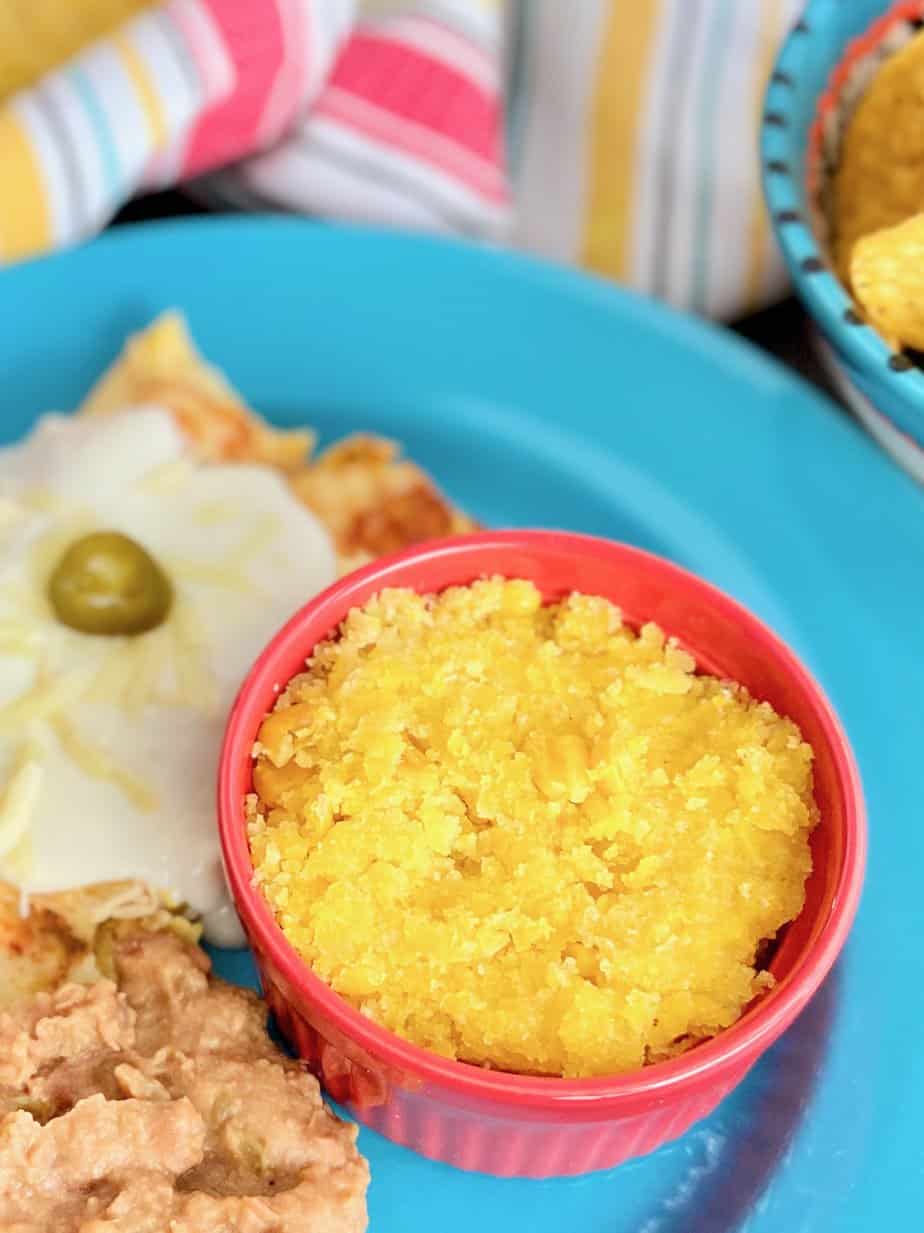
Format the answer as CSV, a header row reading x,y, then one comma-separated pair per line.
x,y
25,216
622,73
771,32
144,88
38,35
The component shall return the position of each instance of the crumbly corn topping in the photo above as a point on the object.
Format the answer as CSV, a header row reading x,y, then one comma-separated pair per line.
x,y
525,836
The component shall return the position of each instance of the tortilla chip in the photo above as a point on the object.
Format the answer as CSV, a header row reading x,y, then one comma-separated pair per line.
x,y
373,501
887,273
68,936
161,365
879,180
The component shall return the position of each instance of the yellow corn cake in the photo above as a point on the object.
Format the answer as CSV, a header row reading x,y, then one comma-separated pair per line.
x,y
526,836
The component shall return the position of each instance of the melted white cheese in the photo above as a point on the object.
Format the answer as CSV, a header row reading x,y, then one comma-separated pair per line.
x,y
109,746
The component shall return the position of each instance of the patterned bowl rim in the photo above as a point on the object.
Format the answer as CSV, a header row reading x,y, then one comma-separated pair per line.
x,y
782,161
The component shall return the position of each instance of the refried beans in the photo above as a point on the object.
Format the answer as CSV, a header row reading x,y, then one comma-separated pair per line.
x,y
158,1101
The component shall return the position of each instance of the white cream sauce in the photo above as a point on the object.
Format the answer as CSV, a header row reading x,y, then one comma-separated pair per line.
x,y
109,746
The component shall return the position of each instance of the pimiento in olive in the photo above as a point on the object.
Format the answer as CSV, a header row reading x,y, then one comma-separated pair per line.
x,y
106,583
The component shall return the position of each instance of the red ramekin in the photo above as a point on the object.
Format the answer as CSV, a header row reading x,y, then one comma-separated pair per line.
x,y
519,1125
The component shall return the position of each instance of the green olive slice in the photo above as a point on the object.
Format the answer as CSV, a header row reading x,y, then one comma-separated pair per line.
x,y
106,583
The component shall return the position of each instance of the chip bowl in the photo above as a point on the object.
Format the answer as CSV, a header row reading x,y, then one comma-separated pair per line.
x,y
537,1126
827,60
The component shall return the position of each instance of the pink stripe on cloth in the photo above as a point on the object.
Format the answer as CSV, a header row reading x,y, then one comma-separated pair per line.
x,y
252,33
387,129
290,87
398,96
434,38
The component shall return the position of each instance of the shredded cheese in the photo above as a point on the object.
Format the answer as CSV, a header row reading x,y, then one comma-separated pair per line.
x,y
24,598
196,685
97,763
229,573
10,513
41,501
168,476
213,513
46,698
254,542
227,578
17,810
148,656
19,638
113,681
130,901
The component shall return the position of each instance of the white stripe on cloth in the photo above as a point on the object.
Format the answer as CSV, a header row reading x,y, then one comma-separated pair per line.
x,y
81,135
774,278
333,191
442,149
50,158
477,20
191,38
197,25
125,118
561,76
305,181
179,90
312,170
650,171
682,148
732,169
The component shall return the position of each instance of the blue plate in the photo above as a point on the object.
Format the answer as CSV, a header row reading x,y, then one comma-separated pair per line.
x,y
537,396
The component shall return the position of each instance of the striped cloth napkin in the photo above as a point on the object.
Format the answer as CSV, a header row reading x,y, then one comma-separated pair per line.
x,y
619,135
392,114
634,143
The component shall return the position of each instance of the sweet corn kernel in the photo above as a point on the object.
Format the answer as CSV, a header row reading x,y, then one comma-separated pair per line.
x,y
526,836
